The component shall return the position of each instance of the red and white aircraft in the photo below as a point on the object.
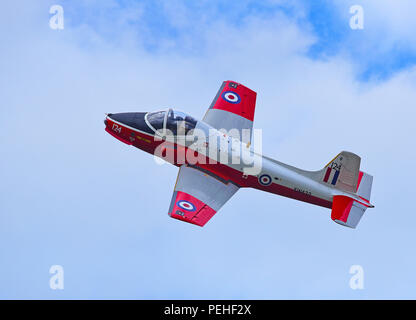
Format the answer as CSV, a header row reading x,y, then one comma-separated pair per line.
x,y
203,186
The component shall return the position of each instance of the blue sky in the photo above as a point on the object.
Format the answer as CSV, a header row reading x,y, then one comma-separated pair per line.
x,y
72,195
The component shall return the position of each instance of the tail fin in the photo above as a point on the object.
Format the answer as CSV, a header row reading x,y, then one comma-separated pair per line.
x,y
343,173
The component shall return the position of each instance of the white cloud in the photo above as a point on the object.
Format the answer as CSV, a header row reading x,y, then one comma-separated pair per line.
x,y
104,204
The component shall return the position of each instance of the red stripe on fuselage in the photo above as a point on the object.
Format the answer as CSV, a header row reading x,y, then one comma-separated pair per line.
x,y
118,137
139,139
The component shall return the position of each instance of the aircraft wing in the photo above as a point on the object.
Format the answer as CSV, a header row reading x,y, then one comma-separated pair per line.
x,y
233,108
198,195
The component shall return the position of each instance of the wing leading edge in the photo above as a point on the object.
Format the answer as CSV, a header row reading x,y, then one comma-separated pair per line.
x,y
198,195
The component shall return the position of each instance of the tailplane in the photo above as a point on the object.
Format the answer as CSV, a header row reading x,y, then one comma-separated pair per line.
x,y
346,211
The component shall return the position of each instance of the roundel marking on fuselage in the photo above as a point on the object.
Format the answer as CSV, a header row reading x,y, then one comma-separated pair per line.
x,y
265,180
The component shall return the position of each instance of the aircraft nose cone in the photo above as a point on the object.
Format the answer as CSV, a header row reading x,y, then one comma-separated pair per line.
x,y
105,120
132,119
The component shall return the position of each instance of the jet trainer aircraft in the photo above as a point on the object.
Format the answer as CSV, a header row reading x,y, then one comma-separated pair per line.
x,y
203,186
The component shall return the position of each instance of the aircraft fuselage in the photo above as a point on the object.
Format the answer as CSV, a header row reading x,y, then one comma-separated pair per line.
x,y
273,176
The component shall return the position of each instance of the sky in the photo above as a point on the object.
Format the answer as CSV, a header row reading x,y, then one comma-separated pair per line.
x,y
71,195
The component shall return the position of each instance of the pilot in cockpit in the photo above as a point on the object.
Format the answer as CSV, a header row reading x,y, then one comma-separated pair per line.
x,y
179,122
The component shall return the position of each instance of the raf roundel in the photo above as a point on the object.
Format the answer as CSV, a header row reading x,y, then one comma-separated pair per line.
x,y
186,205
265,180
231,97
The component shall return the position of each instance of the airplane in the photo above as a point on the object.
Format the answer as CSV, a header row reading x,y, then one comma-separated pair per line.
x,y
203,186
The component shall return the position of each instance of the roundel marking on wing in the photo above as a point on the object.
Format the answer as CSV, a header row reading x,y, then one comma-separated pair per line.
x,y
186,205
231,97
265,180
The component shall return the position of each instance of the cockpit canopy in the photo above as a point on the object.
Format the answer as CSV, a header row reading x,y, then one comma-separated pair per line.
x,y
176,121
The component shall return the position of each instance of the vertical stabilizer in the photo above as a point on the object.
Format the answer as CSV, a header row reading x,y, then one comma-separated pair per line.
x,y
342,172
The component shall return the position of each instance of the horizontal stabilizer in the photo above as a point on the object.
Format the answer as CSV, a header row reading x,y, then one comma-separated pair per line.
x,y
346,211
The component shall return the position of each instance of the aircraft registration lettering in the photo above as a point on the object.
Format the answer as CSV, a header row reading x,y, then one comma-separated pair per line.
x,y
303,191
